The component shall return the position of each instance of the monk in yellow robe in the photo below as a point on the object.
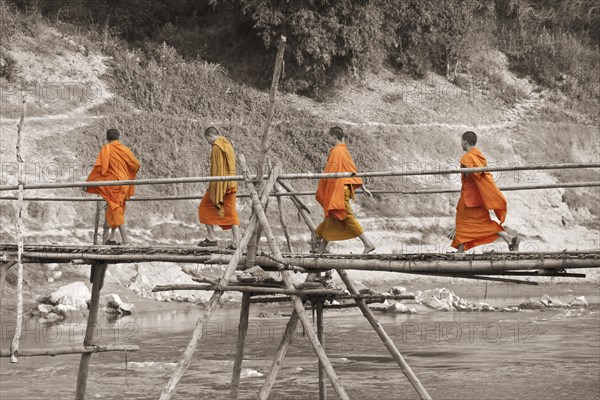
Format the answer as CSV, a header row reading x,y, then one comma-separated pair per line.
x,y
479,195
115,162
218,206
334,196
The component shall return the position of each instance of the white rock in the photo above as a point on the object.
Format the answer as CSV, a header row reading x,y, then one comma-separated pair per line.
x,y
579,302
398,290
75,294
66,311
398,308
52,317
44,308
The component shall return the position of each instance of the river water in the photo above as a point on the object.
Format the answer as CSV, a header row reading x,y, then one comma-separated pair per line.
x,y
547,355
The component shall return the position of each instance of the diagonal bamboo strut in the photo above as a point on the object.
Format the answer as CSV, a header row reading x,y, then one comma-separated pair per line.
x,y
14,346
169,390
298,306
254,241
290,328
389,344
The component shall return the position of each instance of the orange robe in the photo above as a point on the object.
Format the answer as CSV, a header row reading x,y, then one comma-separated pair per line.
x,y
218,206
479,194
334,195
115,162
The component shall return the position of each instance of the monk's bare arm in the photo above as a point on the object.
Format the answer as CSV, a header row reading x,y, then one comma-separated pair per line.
x,y
367,191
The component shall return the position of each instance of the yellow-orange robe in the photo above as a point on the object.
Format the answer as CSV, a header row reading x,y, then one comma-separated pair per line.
x,y
115,162
479,194
334,196
218,206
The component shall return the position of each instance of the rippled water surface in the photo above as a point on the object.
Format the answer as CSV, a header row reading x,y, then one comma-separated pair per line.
x,y
526,355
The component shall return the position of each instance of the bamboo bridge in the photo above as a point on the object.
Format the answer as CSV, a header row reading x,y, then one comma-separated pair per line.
x,y
267,182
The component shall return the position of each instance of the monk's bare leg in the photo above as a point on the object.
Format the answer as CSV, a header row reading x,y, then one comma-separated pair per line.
x,y
323,246
461,248
105,230
212,236
369,246
123,232
512,241
235,231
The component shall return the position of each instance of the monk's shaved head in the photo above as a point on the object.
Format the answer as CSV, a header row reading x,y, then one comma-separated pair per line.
x,y
211,131
470,138
112,134
337,132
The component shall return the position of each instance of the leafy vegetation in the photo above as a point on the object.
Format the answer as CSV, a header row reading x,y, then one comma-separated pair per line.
x,y
554,41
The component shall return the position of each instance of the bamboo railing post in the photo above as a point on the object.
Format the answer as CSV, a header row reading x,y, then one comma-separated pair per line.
x,y
14,346
4,267
298,306
286,230
264,144
171,387
97,222
90,331
389,344
239,355
321,335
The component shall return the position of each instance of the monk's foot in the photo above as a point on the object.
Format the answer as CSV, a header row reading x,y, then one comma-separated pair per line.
x,y
369,248
111,242
207,243
514,243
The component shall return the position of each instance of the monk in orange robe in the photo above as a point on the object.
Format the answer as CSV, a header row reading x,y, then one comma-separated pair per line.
x,y
479,195
218,206
115,162
334,196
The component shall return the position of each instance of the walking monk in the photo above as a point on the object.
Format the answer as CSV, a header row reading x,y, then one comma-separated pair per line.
x,y
479,194
334,196
218,204
115,162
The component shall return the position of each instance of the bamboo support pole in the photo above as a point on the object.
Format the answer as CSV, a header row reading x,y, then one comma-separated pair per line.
x,y
389,344
171,387
298,306
288,335
249,289
264,144
90,332
72,350
486,278
377,327
286,339
241,339
341,296
306,175
321,334
14,347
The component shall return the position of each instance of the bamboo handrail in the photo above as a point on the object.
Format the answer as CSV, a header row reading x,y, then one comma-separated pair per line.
x,y
565,185
307,175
